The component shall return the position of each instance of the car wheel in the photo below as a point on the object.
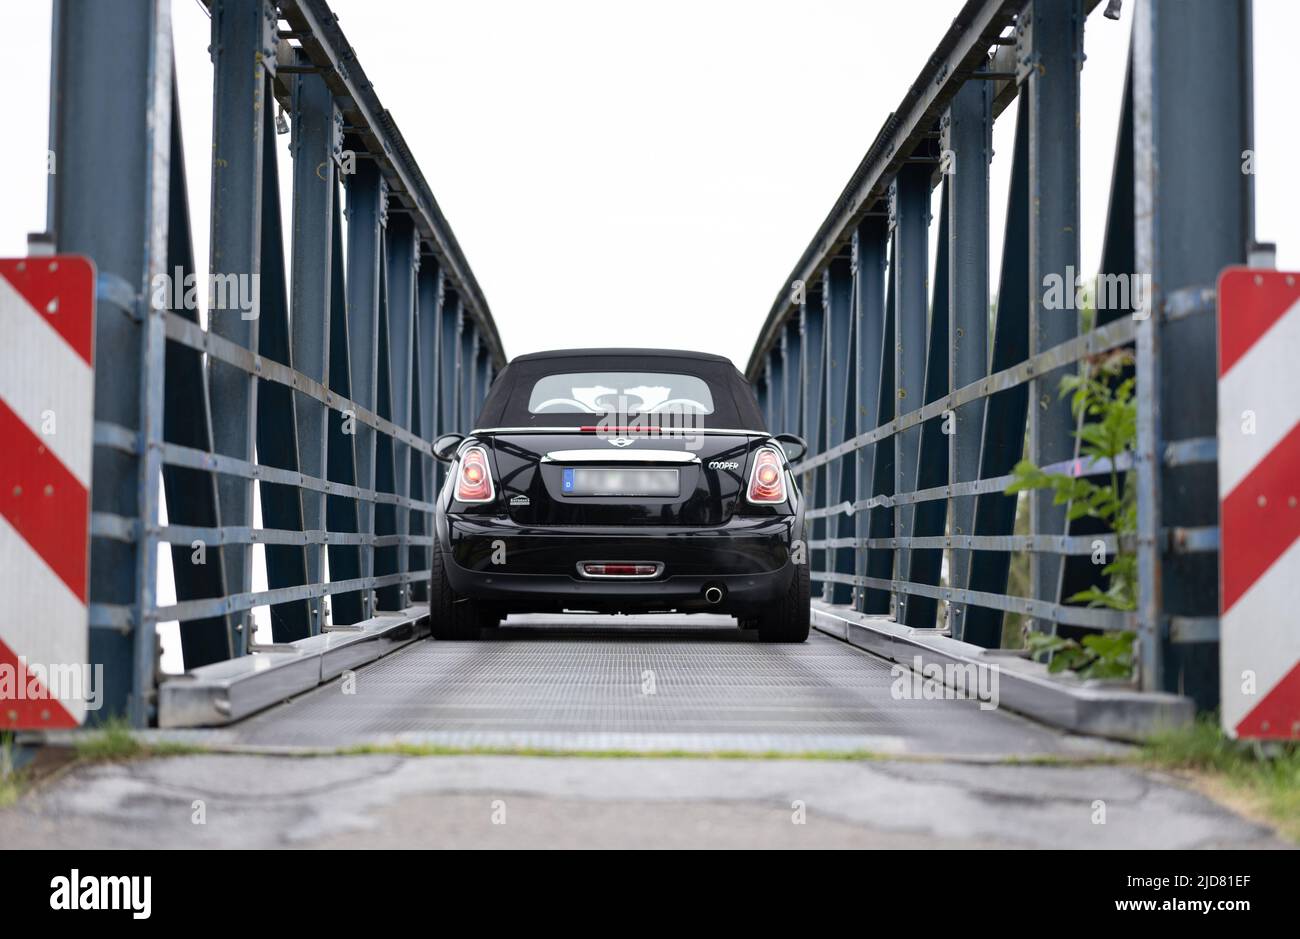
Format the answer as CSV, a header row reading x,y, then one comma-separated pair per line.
x,y
450,616
788,619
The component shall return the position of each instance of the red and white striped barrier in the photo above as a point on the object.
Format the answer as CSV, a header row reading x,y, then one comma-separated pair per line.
x,y
1259,502
47,330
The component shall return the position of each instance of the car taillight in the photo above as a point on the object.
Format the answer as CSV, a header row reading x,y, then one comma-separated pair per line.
x,y
474,482
767,479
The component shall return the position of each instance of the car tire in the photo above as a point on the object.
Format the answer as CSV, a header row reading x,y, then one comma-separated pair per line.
x,y
450,616
788,619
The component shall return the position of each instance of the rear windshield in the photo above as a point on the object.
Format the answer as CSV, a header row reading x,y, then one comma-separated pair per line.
x,y
620,393
652,388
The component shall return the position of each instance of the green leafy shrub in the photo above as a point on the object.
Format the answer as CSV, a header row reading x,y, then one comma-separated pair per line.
x,y
1103,406
1106,655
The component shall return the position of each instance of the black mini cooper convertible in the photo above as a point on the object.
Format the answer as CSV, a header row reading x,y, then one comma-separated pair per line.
x,y
619,481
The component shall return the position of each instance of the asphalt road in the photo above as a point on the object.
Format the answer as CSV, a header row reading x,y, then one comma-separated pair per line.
x,y
558,802
941,773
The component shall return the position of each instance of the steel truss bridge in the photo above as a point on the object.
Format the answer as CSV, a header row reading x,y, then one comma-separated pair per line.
x,y
374,337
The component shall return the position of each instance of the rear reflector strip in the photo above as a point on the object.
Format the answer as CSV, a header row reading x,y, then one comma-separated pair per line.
x,y
610,428
632,569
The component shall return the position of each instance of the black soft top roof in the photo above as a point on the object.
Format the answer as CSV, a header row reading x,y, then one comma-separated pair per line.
x,y
734,404
620,353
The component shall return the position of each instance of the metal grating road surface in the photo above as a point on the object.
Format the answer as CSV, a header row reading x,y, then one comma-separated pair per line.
x,y
638,683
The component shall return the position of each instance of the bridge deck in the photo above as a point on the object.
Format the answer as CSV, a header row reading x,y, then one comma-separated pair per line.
x,y
578,683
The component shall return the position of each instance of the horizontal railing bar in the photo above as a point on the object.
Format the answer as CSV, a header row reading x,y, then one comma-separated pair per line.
x,y
1188,629
1179,540
189,334
1192,540
1190,301
116,437
1045,544
1191,451
238,602
176,455
1102,339
111,616
1079,468
1179,453
115,527
239,534
1087,617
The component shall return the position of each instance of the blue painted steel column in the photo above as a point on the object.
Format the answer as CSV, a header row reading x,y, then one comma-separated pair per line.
x,y
870,242
925,565
243,39
837,301
469,378
792,349
776,384
341,512
114,76
316,138
1050,52
967,140
483,376
191,494
910,216
450,345
812,365
402,259
468,340
427,327
1002,441
277,428
367,210
1192,115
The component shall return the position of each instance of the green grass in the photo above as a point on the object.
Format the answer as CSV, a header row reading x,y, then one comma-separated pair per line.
x,y
10,789
113,740
109,743
1265,778
10,779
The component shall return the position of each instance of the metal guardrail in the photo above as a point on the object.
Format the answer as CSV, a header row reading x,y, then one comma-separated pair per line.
x,y
858,359
325,393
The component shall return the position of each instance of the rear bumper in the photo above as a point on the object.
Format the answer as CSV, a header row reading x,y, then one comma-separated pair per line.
x,y
529,569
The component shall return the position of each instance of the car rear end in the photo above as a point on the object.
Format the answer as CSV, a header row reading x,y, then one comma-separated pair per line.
x,y
650,527
640,509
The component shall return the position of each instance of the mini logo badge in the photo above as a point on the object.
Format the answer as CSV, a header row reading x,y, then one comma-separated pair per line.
x,y
520,500
621,441
723,464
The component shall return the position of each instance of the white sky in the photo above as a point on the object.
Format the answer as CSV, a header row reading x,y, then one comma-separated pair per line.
x,y
624,177
618,177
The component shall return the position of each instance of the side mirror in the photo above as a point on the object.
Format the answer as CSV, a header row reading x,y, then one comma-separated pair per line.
x,y
794,446
444,448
